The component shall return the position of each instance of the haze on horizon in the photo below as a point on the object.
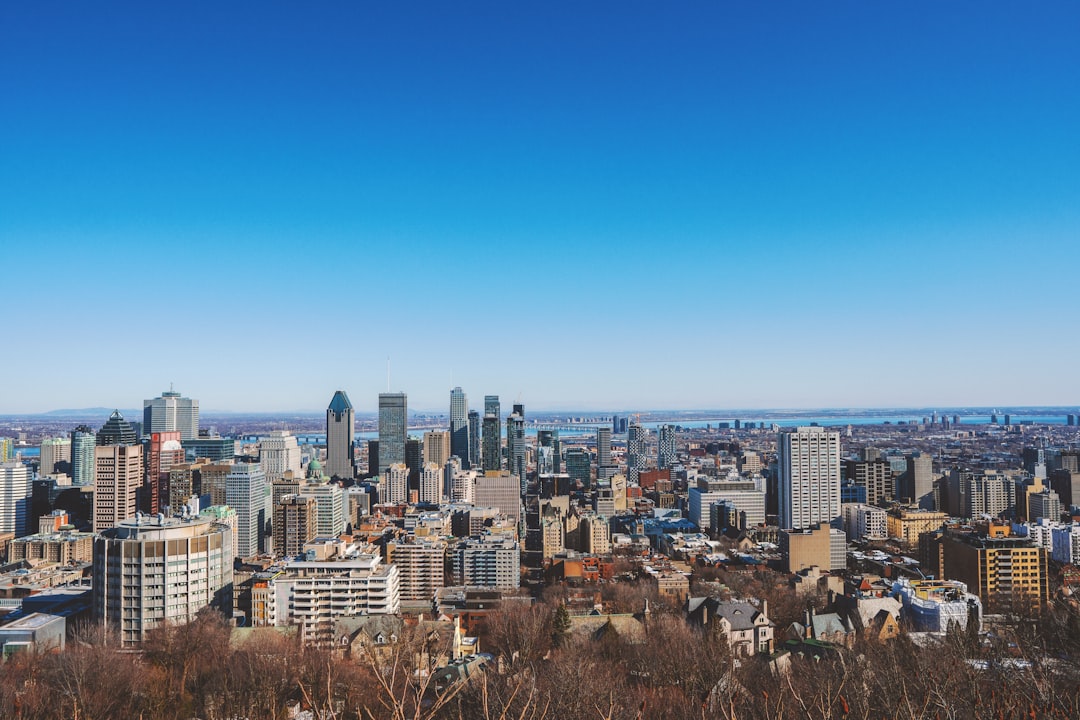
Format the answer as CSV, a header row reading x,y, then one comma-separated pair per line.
x,y
612,206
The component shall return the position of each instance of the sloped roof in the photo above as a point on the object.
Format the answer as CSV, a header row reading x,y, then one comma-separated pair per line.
x,y
340,403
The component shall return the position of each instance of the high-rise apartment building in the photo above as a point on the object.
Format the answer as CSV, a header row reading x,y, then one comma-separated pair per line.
x,y
665,456
279,453
396,481
436,447
118,475
15,491
603,447
431,483
492,443
808,464
874,475
635,452
248,493
420,567
83,442
329,507
488,562
917,482
499,490
474,439
459,426
163,452
295,523
171,412
151,572
393,419
515,449
340,431
54,452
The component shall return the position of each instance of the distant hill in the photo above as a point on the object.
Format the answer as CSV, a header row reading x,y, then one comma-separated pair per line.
x,y
87,412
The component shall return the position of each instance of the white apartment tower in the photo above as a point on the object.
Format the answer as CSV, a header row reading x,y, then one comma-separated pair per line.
x,y
809,477
15,499
248,493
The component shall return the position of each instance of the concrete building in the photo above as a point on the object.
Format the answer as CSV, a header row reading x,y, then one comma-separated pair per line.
x,y
820,545
979,493
1007,573
340,437
431,483
595,534
917,482
808,464
876,476
214,479
329,507
396,479
171,412
745,495
908,524
499,490
279,453
295,524
247,492
864,522
437,447
55,452
163,452
420,564
313,594
488,562
15,493
149,572
118,476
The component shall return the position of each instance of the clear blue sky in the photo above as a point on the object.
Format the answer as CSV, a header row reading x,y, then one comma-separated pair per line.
x,y
622,205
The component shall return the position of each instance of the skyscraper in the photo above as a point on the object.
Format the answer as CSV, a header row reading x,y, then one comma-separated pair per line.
x,y
279,453
396,482
666,448
459,425
116,431
492,442
515,449
393,414
340,431
15,490
436,447
163,452
54,451
118,475
603,452
474,438
635,452
247,492
171,412
808,460
83,443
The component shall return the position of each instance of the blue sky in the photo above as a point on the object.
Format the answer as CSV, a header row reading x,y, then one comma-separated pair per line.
x,y
623,205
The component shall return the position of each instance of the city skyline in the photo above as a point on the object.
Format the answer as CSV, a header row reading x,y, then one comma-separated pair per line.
x,y
721,207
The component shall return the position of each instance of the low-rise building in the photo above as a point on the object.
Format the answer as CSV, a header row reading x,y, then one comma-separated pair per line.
x,y
748,629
